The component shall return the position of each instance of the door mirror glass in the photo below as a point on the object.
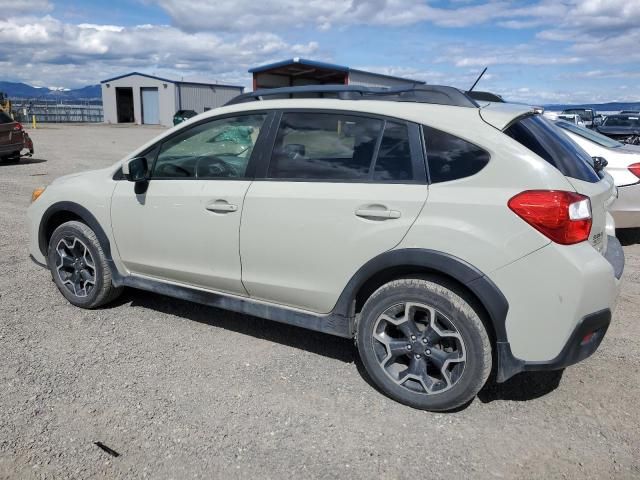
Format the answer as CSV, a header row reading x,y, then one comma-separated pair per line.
x,y
135,170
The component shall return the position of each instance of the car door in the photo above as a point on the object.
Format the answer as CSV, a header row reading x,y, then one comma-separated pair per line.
x,y
339,189
185,227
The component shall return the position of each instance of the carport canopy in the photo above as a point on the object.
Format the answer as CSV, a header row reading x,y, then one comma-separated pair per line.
x,y
298,71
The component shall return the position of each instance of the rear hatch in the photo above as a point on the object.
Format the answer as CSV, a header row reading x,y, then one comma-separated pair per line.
x,y
8,133
550,143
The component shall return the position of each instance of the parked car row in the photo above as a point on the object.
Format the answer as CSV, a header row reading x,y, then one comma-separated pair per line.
x,y
588,117
622,162
624,127
447,238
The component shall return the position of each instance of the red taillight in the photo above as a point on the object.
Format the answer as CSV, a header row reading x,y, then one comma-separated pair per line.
x,y
17,127
564,217
635,169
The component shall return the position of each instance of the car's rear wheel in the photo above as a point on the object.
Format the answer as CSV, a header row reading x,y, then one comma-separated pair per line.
x,y
423,345
79,266
12,158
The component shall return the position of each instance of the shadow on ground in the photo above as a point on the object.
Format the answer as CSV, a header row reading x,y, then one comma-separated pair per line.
x,y
321,344
628,236
522,387
22,161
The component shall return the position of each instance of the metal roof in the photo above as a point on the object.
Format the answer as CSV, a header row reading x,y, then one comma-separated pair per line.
x,y
178,82
325,66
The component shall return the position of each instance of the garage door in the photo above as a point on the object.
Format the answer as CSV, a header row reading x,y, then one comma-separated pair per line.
x,y
150,106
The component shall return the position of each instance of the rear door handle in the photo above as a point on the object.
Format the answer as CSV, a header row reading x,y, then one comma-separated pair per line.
x,y
221,206
377,213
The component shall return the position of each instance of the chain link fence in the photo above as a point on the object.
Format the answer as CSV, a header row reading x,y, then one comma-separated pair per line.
x,y
45,112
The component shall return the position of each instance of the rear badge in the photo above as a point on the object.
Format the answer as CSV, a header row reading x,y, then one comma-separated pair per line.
x,y
596,240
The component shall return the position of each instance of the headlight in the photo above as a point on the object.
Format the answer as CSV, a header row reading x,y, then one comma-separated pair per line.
x,y
36,193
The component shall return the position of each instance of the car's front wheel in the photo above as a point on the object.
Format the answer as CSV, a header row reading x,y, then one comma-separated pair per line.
x,y
423,345
79,266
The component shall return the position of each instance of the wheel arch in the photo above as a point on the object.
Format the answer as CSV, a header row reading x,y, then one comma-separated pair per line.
x,y
415,261
62,212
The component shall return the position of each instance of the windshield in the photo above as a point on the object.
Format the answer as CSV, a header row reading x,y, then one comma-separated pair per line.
x,y
549,142
590,135
622,121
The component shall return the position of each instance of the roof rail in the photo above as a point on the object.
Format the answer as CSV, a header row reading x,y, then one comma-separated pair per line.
x,y
436,94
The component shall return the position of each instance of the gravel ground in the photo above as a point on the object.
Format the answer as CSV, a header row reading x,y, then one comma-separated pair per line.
x,y
184,391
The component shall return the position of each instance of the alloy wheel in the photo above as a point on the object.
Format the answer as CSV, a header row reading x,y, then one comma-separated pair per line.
x,y
75,266
419,348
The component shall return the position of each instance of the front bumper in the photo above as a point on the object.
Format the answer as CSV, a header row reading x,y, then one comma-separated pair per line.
x,y
626,209
560,304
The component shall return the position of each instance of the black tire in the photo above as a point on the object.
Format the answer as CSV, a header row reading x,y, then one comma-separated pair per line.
x,y
86,282
436,352
13,158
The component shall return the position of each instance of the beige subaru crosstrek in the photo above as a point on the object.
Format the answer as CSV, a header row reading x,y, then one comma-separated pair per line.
x,y
448,238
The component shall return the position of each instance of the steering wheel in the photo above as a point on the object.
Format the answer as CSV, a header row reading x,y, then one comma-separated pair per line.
x,y
172,170
215,167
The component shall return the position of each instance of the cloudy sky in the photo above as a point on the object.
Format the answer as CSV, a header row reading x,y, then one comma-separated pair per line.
x,y
540,51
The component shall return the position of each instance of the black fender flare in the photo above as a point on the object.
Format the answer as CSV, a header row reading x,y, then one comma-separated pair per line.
x,y
477,282
86,216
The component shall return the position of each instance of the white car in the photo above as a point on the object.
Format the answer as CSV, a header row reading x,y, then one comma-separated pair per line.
x,y
623,163
448,239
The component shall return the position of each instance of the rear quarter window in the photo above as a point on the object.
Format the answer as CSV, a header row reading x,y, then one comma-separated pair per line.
x,y
450,157
4,118
547,141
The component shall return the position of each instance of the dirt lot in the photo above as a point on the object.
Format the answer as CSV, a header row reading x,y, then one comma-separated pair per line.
x,y
184,391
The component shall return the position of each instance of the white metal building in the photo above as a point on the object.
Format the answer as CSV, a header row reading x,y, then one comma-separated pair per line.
x,y
147,99
300,71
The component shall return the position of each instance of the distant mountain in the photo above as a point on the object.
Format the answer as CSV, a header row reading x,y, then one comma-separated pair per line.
x,y
598,107
23,91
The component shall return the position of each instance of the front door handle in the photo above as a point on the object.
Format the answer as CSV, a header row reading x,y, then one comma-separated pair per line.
x,y
377,213
221,206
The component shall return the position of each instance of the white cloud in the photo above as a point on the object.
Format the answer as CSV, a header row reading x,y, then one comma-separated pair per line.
x,y
20,7
243,15
51,51
221,39
323,14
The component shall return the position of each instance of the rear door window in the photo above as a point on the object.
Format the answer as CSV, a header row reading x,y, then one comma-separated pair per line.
x,y
324,146
394,161
547,141
450,157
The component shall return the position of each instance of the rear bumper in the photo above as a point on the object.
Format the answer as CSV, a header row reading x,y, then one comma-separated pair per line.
x,y
560,300
626,209
583,342
14,147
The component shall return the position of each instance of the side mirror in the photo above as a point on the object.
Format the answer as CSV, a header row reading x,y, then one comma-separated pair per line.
x,y
135,170
599,163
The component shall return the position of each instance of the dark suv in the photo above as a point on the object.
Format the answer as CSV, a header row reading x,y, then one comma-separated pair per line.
x,y
13,139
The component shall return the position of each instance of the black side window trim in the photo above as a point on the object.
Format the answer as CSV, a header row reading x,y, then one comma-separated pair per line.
x,y
416,146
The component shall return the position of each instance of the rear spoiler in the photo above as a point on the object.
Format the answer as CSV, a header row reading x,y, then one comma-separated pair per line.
x,y
503,115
